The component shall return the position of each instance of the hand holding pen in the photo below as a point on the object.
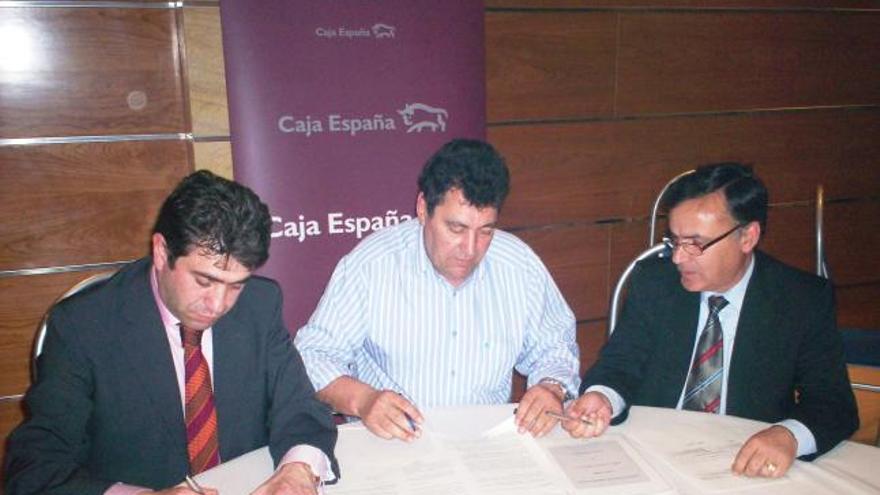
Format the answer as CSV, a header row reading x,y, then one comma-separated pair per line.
x,y
389,414
588,416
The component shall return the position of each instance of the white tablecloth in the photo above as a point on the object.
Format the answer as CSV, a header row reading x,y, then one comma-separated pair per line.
x,y
850,468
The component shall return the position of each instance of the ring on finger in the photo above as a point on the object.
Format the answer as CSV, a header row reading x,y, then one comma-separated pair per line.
x,y
770,467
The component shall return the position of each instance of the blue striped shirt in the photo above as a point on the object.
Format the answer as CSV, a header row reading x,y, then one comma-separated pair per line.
x,y
388,319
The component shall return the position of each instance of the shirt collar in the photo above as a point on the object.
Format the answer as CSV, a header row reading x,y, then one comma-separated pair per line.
x,y
737,293
168,319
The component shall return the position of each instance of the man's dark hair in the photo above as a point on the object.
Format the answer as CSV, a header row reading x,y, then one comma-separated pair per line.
x,y
470,165
222,217
745,193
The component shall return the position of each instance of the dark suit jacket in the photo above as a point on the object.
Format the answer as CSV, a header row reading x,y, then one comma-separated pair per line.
x,y
106,406
786,341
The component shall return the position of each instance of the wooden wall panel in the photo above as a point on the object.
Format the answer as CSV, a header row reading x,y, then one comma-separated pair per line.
x,y
591,336
857,306
549,65
214,156
83,203
869,404
206,71
577,257
852,233
23,303
600,170
708,61
83,71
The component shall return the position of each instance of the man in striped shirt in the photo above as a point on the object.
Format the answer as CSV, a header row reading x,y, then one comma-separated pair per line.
x,y
439,310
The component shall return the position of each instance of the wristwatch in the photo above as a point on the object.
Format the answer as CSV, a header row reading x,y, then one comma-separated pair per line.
x,y
566,395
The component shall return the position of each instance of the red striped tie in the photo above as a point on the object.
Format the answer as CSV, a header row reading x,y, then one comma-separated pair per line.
x,y
201,415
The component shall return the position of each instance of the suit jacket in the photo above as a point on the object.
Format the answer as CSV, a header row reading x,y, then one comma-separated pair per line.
x,y
786,342
106,406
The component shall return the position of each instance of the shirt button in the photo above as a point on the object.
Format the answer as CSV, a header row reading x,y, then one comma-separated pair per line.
x,y
453,372
455,333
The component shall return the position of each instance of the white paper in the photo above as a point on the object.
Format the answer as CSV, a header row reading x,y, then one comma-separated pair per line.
x,y
707,463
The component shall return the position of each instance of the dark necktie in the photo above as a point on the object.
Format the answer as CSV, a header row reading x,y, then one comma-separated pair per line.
x,y
201,414
703,389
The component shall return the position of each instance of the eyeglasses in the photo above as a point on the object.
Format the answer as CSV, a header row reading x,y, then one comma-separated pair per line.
x,y
692,248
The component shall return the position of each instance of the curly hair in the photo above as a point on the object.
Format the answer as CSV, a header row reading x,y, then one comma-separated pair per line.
x,y
472,166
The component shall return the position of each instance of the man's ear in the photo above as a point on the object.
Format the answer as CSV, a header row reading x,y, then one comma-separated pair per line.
x,y
421,208
159,250
751,234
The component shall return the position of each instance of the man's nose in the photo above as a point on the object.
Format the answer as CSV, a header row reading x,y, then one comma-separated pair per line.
x,y
216,299
470,244
678,255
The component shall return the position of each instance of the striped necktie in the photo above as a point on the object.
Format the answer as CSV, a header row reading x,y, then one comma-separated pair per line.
x,y
703,388
201,414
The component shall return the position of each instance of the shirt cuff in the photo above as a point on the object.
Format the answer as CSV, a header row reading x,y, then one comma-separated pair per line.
x,y
314,457
570,381
617,402
123,489
806,442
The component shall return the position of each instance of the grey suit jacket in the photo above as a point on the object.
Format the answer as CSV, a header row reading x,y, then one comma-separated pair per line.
x,y
106,406
787,360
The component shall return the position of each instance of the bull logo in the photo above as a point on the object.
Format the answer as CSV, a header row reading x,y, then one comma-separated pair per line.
x,y
419,116
383,31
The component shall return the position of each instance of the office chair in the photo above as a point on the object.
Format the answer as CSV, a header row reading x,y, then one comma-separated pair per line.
x,y
41,330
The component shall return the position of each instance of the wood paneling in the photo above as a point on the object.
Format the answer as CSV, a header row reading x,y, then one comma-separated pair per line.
x,y
600,170
205,71
852,233
591,337
674,4
23,303
549,65
577,258
215,156
83,203
711,61
83,71
869,404
857,306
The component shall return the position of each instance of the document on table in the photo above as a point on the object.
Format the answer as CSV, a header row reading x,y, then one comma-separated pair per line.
x,y
609,464
495,462
707,461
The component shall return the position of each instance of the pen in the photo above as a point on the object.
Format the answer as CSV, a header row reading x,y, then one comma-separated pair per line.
x,y
400,392
567,418
194,485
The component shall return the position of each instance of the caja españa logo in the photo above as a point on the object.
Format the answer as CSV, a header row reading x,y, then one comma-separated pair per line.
x,y
414,117
378,31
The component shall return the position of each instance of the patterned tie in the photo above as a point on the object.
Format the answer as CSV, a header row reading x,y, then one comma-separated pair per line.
x,y
703,388
201,415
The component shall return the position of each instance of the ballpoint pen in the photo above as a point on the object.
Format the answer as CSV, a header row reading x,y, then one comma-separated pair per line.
x,y
563,417
400,392
194,485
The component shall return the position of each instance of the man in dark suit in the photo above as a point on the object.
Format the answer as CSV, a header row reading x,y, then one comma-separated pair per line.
x,y
726,329
125,401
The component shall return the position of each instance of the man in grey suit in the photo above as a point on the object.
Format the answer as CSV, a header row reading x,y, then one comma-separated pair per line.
x,y
725,329
178,362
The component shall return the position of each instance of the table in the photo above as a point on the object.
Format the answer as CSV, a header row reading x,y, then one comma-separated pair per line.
x,y
658,435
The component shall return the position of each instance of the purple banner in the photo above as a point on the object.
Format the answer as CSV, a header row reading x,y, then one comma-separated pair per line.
x,y
334,107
